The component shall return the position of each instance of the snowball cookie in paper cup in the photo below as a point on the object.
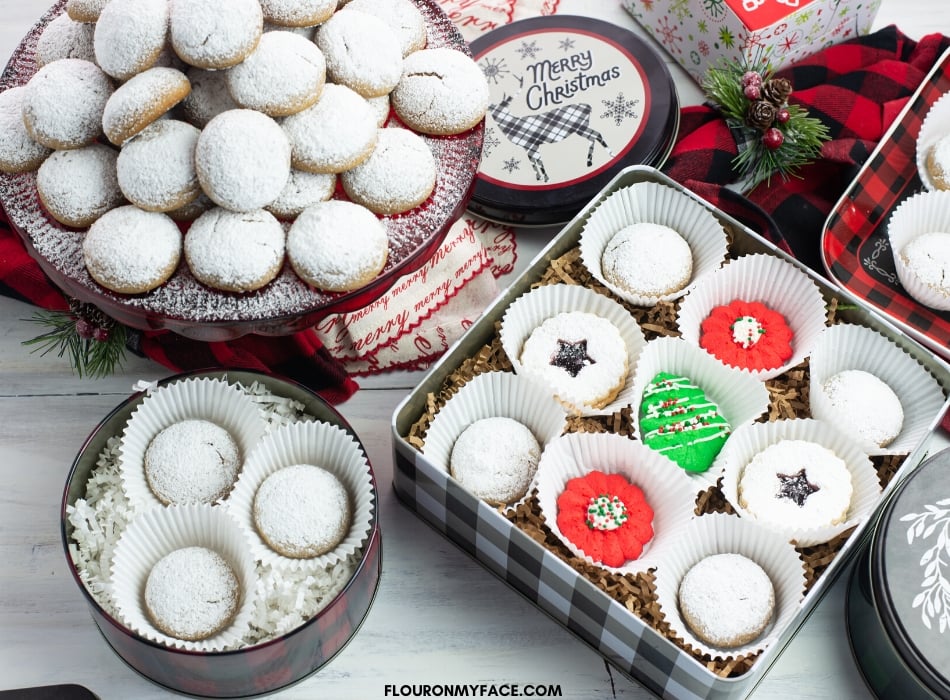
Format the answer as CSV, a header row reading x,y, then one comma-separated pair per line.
x,y
933,146
919,233
802,478
179,444
650,242
871,389
743,312
686,404
295,509
621,500
579,344
719,602
146,603
491,468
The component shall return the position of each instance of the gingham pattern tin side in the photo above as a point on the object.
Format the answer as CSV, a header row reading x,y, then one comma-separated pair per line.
x,y
628,643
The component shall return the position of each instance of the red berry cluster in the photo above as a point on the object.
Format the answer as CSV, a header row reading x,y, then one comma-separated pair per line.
x,y
90,322
767,106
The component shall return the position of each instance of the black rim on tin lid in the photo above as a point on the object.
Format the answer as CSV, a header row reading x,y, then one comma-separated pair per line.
x,y
574,100
910,572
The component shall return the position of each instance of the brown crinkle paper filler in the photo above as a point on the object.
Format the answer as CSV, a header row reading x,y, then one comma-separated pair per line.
x,y
788,399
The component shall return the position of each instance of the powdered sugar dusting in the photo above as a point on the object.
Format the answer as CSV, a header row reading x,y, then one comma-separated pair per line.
x,y
284,599
398,175
66,38
287,303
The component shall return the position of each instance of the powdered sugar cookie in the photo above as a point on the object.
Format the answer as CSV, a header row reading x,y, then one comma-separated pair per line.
x,y
335,134
192,210
64,37
209,96
297,13
156,168
64,103
18,151
381,109
441,91
242,159
130,35
85,10
130,250
398,175
203,34
282,76
402,16
302,190
141,100
337,263
235,252
79,185
362,52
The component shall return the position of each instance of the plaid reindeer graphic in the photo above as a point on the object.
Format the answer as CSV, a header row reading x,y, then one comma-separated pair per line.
x,y
534,130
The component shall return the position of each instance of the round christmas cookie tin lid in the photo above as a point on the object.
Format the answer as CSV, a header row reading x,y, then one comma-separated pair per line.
x,y
910,572
574,100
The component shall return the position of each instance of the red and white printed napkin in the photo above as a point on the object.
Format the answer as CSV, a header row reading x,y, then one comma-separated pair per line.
x,y
413,323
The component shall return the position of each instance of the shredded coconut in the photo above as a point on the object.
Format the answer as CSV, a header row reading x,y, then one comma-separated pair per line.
x,y
284,599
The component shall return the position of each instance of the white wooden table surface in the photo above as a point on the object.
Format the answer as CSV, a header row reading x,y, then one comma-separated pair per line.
x,y
438,616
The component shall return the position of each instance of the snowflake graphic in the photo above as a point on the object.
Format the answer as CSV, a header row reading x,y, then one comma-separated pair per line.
x,y
703,27
703,48
528,50
752,42
619,109
790,41
727,38
714,8
511,165
681,9
668,32
494,69
648,5
803,17
566,44
490,143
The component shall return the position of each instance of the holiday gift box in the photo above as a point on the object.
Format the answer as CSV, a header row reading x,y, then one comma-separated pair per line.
x,y
619,612
699,33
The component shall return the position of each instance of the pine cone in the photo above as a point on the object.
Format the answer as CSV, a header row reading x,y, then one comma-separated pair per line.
x,y
760,115
777,90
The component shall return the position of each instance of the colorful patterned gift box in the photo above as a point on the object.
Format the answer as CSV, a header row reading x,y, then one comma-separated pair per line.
x,y
698,33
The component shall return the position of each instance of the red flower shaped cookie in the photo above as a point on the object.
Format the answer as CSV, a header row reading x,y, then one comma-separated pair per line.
x,y
747,335
606,517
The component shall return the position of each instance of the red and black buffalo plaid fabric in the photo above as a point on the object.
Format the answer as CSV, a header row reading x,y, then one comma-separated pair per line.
x,y
856,89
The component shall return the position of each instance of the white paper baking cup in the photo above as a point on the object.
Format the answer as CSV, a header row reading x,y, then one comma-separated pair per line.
x,y
154,533
766,279
924,212
935,125
651,202
203,398
668,491
741,398
749,440
846,346
719,533
319,444
489,395
532,308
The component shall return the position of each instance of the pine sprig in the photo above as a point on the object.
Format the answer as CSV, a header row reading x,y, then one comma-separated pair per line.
x,y
774,137
93,350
